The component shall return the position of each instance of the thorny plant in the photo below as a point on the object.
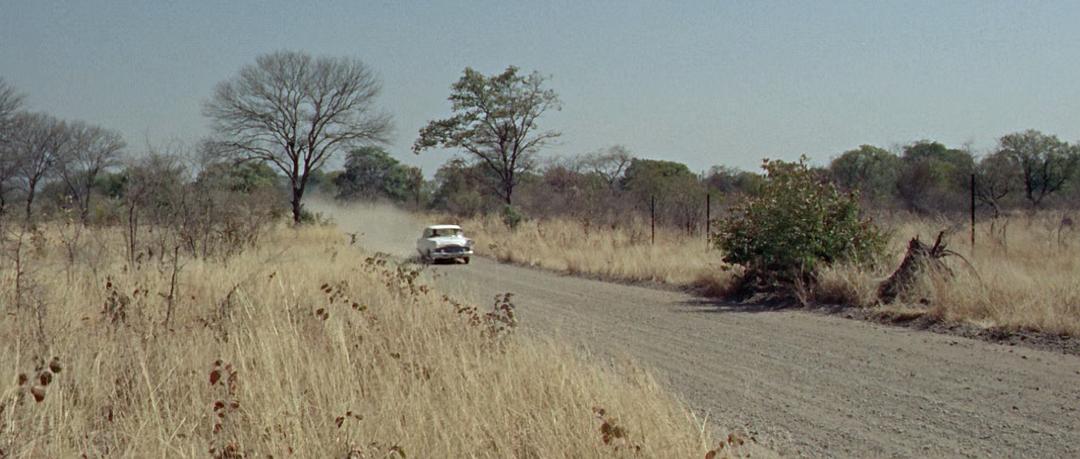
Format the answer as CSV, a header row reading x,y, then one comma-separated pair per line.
x,y
36,381
116,303
732,446
29,294
225,382
613,434
495,324
36,384
403,279
70,231
15,248
336,295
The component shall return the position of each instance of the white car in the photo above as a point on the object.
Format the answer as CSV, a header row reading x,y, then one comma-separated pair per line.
x,y
444,242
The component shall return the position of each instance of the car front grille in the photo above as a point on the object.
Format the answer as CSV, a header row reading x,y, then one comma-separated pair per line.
x,y
452,249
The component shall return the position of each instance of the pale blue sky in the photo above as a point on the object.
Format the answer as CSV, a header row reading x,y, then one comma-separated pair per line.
x,y
702,82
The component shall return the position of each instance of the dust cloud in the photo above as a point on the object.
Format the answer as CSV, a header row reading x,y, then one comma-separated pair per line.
x,y
378,227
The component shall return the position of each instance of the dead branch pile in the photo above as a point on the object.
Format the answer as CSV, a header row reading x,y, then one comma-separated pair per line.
x,y
919,260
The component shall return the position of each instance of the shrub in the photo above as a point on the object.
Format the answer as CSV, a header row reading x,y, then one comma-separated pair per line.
x,y
512,217
310,218
799,222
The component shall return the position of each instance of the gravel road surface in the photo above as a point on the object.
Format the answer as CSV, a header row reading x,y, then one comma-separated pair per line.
x,y
807,383
803,383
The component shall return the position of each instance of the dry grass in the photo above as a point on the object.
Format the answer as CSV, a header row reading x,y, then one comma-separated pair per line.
x,y
1028,276
624,253
304,346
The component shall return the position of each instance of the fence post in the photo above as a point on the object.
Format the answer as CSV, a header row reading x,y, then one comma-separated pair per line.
x,y
419,185
708,222
973,214
652,217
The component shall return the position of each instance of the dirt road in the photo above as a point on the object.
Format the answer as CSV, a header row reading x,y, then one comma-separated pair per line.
x,y
803,383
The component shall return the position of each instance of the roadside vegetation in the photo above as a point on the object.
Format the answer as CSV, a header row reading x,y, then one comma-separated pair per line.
x,y
299,344
1024,277
156,302
156,305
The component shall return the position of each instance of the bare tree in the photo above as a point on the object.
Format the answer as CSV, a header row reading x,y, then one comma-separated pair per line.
x,y
90,151
8,165
495,121
295,112
609,164
154,190
10,103
37,141
995,178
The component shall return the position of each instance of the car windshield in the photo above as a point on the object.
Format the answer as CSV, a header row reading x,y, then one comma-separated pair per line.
x,y
442,232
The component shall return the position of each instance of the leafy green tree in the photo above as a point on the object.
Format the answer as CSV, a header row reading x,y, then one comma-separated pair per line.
x,y
243,177
651,177
1045,163
458,189
323,182
871,170
679,193
797,224
730,180
495,121
934,177
371,173
111,184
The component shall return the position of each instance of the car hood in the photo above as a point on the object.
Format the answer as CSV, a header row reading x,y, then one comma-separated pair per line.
x,y
449,240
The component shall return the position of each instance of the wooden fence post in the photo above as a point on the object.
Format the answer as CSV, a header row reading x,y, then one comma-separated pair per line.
x,y
652,217
972,214
708,222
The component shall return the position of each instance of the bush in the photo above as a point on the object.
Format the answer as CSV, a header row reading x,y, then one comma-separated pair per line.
x,y
512,217
798,223
310,218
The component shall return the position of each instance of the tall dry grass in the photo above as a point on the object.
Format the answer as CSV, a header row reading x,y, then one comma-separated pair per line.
x,y
1026,274
1026,268
305,346
623,253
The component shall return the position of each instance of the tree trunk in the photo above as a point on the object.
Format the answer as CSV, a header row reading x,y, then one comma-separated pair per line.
x,y
29,204
84,203
84,212
133,232
297,206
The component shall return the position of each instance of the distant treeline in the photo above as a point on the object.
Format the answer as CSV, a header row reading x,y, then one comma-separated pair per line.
x,y
51,166
1027,170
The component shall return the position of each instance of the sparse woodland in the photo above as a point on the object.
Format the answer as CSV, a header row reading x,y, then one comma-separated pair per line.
x,y
179,300
158,302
